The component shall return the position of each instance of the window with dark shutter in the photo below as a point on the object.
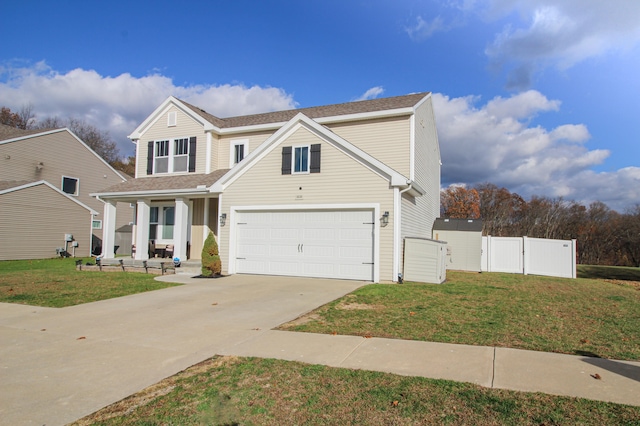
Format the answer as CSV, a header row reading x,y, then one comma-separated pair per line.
x,y
315,159
286,160
149,157
192,154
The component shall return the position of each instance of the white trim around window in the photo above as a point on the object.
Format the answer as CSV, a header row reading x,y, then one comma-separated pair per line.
x,y
300,159
238,150
171,156
70,185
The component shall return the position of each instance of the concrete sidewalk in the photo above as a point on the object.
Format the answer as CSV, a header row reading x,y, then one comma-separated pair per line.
x,y
58,365
491,367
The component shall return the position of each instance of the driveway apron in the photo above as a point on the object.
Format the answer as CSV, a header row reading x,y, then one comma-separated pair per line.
x,y
58,365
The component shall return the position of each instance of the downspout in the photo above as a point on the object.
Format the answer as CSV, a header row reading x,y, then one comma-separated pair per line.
x,y
397,240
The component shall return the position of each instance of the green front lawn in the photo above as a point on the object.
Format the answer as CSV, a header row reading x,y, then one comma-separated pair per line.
x,y
247,391
56,283
580,316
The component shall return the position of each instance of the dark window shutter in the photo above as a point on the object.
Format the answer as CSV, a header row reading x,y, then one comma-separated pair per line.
x,y
315,159
149,157
192,154
286,160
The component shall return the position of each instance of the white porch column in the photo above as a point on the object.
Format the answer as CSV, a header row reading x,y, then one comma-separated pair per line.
x,y
180,229
142,229
205,225
109,230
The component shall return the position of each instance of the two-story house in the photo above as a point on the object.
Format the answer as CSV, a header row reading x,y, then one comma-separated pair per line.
x,y
327,191
46,177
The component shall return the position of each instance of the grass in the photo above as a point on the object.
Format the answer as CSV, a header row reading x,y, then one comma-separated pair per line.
x,y
579,316
609,272
249,391
56,283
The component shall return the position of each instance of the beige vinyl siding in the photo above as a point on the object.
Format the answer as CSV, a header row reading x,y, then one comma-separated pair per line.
x,y
342,180
386,139
419,213
224,145
197,225
186,127
34,221
427,162
61,155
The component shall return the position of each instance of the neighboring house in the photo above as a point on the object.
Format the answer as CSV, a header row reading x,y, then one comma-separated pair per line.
x,y
464,242
326,191
45,180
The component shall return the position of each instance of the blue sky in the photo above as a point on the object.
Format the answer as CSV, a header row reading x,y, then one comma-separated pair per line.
x,y
539,96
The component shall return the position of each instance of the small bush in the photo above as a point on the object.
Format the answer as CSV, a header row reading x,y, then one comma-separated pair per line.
x,y
211,264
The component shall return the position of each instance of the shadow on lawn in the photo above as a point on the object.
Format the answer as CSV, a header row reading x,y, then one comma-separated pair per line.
x,y
609,273
618,367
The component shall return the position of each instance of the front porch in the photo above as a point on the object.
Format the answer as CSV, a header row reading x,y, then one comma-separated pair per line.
x,y
173,215
164,229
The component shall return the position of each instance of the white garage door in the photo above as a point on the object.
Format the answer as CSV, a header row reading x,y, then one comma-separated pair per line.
x,y
323,244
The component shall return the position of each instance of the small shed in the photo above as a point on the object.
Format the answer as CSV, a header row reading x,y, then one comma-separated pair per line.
x,y
424,260
464,242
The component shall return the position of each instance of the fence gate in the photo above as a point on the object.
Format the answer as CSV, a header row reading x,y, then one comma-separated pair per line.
x,y
523,255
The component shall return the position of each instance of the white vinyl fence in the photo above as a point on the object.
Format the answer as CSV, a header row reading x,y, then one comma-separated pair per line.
x,y
524,255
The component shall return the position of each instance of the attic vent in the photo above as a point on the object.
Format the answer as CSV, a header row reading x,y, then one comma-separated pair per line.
x,y
172,118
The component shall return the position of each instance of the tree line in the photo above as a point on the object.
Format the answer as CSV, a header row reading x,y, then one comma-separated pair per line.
x,y
604,236
98,140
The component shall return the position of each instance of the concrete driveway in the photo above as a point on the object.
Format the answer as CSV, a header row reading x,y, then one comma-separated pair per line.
x,y
58,365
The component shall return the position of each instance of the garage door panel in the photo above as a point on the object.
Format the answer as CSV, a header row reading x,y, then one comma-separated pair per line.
x,y
330,244
354,271
356,252
253,250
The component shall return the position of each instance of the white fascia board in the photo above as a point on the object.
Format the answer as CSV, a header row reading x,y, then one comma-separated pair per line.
x,y
421,101
44,182
159,112
159,192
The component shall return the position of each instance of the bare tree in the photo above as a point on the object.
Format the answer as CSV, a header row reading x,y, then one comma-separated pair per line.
x,y
23,119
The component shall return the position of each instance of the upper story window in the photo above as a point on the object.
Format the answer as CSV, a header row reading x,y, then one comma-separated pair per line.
x,y
180,155
70,185
301,159
238,149
162,157
171,156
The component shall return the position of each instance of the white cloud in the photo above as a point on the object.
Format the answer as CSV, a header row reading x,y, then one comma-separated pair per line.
x,y
422,29
495,143
119,104
558,33
372,93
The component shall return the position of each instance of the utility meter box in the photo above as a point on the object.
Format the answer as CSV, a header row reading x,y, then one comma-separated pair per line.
x,y
68,237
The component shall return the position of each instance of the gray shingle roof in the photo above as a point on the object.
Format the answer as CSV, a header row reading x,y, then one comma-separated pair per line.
x,y
159,183
8,132
357,107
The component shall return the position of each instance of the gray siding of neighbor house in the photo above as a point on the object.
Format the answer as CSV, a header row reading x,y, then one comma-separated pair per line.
x,y
62,155
34,221
464,242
